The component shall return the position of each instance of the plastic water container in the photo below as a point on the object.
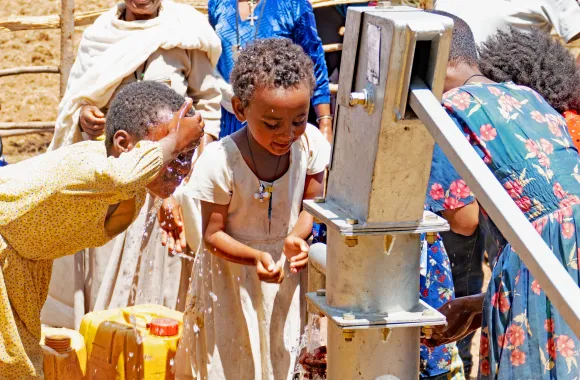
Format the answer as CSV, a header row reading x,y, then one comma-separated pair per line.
x,y
134,343
65,355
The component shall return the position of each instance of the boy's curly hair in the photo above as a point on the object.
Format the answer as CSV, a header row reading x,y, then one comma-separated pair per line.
x,y
534,60
140,106
271,63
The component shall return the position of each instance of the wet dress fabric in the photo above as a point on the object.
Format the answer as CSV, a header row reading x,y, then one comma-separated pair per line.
x,y
53,205
526,145
235,326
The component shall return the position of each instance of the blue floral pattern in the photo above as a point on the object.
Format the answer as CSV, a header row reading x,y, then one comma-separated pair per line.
x,y
526,144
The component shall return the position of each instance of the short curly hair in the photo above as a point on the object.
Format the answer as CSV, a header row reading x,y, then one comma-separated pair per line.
x,y
271,63
140,106
535,60
463,47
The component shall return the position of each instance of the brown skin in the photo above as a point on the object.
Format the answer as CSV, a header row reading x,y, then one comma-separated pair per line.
x,y
92,119
463,317
463,314
276,119
178,138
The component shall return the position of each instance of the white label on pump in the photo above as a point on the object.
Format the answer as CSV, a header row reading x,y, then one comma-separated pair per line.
x,y
373,53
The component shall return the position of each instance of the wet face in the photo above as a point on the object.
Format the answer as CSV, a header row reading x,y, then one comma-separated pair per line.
x,y
143,8
276,117
172,174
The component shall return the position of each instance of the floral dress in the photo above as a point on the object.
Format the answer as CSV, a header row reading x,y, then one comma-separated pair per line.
x,y
526,144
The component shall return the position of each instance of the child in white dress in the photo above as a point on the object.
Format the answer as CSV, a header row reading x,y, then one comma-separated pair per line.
x,y
245,310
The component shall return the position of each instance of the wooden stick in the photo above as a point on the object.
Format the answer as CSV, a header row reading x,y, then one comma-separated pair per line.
x,y
20,132
41,126
332,48
29,70
46,22
67,31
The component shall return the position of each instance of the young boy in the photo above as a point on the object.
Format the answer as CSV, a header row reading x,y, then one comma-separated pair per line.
x,y
82,196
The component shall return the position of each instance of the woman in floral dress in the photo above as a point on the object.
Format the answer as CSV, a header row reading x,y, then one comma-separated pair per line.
x,y
526,145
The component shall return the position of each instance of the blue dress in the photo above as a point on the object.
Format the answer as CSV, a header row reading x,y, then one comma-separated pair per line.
x,y
525,143
293,19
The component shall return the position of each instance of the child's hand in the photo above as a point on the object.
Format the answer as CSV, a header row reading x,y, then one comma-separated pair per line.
x,y
296,250
187,131
171,222
268,270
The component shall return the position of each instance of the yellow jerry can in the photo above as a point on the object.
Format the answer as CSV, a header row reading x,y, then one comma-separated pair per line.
x,y
133,343
65,355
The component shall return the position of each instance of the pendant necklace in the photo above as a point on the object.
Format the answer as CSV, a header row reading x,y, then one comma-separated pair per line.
x,y
252,3
263,191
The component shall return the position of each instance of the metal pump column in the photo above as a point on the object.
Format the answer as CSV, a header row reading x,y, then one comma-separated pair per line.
x,y
376,193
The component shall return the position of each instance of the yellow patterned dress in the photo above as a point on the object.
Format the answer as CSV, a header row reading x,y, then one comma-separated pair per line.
x,y
51,206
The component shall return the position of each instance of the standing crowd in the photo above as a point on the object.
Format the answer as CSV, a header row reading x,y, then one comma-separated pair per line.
x,y
185,145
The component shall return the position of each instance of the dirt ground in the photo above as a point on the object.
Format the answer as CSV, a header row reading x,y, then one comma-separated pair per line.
x,y
32,97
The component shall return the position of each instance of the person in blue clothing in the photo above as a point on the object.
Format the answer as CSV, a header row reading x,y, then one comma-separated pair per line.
x,y
239,22
2,161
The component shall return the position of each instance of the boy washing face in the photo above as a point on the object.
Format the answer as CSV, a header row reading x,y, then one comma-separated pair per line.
x,y
82,196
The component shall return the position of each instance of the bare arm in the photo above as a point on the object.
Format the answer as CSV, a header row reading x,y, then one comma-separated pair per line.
x,y
464,220
221,244
295,246
325,124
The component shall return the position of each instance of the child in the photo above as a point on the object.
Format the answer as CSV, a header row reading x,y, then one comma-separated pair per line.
x,y
82,196
244,315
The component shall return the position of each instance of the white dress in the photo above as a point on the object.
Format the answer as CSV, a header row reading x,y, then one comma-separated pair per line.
x,y
237,327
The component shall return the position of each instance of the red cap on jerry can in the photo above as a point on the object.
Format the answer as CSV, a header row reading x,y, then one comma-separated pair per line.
x,y
164,327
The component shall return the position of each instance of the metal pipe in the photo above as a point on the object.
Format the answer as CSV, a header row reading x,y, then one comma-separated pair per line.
x,y
317,256
563,292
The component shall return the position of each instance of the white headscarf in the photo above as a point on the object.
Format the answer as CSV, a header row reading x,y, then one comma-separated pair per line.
x,y
112,49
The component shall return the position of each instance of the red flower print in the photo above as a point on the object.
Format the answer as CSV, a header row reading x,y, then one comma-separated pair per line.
x,y
537,116
569,201
559,191
461,101
549,325
436,192
518,358
551,348
547,146
532,147
565,346
539,224
536,287
494,90
484,346
554,125
524,203
449,94
500,301
516,335
506,103
425,292
442,278
567,230
484,367
544,160
487,132
503,340
452,203
460,189
514,188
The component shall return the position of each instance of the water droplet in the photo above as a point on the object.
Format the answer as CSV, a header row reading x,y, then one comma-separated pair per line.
x,y
213,296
